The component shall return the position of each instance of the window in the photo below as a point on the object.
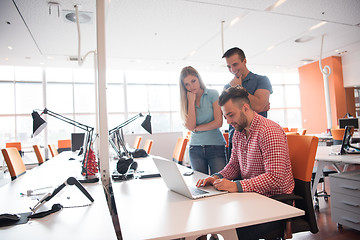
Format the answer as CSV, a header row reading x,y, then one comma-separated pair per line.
x,y
71,93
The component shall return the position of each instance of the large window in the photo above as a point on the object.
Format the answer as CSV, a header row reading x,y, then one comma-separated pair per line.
x,y
285,105
71,92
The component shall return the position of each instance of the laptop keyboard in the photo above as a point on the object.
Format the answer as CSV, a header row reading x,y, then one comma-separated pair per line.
x,y
196,191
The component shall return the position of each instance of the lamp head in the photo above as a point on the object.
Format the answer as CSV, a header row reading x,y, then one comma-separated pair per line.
x,y
147,124
38,123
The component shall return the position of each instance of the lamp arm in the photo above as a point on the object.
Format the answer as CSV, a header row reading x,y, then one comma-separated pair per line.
x,y
125,123
68,120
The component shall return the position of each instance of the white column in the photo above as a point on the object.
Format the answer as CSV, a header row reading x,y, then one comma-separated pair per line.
x,y
101,61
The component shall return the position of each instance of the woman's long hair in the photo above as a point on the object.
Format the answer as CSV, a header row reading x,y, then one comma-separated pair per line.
x,y
183,92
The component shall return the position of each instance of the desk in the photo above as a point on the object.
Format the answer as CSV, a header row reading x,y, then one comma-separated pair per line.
x,y
148,210
90,222
324,157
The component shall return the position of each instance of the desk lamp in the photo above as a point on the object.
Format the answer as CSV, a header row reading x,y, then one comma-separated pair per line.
x,y
126,162
39,124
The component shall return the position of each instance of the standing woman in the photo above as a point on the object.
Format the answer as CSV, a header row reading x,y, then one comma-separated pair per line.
x,y
202,115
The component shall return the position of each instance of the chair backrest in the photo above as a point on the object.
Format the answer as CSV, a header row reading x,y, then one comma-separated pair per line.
x,y
148,145
338,133
53,150
38,154
292,133
179,150
16,145
226,136
64,145
286,129
303,132
302,151
137,142
293,129
14,162
188,135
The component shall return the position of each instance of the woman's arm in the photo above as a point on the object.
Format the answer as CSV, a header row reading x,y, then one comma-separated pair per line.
x,y
216,123
190,122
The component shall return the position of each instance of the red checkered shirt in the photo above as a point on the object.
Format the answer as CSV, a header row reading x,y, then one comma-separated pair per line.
x,y
262,159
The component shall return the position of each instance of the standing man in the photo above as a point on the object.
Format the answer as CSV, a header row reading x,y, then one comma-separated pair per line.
x,y
259,87
260,155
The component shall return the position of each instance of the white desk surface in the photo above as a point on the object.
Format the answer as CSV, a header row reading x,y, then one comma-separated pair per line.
x,y
325,157
89,222
148,210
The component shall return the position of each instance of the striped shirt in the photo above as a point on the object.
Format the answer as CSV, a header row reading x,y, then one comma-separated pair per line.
x,y
262,159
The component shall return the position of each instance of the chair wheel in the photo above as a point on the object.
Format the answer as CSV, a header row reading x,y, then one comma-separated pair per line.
x,y
339,226
326,198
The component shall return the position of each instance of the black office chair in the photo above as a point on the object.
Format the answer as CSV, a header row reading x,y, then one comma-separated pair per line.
x,y
302,150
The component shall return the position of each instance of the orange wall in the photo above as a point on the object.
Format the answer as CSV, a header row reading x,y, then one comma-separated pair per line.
x,y
313,96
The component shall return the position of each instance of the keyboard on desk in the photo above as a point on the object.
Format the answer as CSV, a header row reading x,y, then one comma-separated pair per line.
x,y
196,191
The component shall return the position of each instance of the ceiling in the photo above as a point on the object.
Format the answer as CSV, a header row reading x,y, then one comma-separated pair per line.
x,y
169,34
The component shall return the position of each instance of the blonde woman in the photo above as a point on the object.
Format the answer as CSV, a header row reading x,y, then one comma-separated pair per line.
x,y
202,115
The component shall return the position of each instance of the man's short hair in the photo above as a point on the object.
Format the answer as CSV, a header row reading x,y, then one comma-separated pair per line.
x,y
237,94
233,51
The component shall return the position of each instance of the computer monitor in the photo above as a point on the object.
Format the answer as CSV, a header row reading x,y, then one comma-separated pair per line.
x,y
351,122
77,141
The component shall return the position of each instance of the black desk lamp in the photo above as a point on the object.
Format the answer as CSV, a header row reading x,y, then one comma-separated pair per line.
x,y
39,124
127,163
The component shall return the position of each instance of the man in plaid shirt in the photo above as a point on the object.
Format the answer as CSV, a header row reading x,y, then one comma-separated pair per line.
x,y
259,156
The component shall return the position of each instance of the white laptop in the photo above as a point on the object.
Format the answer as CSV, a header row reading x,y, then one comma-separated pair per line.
x,y
174,181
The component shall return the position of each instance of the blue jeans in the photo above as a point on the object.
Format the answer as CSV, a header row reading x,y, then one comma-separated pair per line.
x,y
207,156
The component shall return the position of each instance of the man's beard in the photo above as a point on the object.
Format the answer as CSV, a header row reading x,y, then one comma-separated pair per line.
x,y
242,123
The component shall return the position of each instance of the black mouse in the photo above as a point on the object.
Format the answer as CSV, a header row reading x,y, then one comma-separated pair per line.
x,y
7,217
71,158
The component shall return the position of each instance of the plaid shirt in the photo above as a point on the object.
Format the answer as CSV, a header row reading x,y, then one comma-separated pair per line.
x,y
262,159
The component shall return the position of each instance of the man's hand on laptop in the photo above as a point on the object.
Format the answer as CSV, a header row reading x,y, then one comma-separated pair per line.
x,y
225,185
206,181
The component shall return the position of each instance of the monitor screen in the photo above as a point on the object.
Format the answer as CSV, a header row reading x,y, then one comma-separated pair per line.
x,y
77,141
352,122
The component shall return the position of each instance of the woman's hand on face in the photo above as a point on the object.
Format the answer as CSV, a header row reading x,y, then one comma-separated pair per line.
x,y
191,97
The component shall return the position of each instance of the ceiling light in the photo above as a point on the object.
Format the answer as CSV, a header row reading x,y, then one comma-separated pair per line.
x,y
317,25
303,39
237,19
192,53
307,60
9,47
269,48
275,5
84,17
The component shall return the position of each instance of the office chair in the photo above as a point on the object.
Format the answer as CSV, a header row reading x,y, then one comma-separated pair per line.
x,y
293,129
64,145
137,142
16,145
302,151
14,162
337,135
38,154
286,129
303,132
179,150
148,145
53,150
291,133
